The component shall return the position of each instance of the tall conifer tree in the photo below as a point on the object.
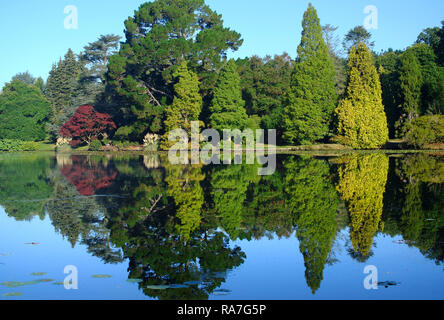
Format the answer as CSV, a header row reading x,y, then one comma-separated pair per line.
x,y
227,107
410,82
362,122
187,103
61,89
312,97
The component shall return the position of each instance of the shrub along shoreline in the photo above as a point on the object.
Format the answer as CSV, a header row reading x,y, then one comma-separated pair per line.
x,y
15,146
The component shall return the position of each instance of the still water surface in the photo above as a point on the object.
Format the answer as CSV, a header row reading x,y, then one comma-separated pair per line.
x,y
136,227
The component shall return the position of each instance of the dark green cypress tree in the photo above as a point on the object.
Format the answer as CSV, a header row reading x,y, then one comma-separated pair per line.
x,y
312,98
410,83
227,108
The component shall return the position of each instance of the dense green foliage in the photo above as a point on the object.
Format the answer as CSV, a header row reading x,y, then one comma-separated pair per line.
x,y
160,36
425,130
95,145
10,145
23,112
264,83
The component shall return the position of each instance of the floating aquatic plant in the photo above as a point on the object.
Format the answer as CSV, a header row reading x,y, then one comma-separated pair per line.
x,y
15,284
102,276
134,280
12,294
45,280
178,286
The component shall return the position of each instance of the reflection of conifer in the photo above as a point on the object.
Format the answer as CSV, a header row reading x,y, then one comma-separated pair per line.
x,y
362,180
184,187
265,211
229,186
313,202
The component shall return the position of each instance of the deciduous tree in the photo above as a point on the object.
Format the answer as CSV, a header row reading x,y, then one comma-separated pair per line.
x,y
24,112
87,124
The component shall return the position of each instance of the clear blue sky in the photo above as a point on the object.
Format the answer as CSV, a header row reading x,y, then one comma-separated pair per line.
x,y
33,36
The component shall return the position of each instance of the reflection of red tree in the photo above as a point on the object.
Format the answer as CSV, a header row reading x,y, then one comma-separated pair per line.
x,y
88,177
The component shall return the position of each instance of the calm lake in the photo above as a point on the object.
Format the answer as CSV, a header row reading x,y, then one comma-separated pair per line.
x,y
137,227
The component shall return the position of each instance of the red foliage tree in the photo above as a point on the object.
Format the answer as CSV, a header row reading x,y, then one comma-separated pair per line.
x,y
87,124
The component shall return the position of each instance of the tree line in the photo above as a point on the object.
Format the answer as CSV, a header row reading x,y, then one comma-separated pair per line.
x,y
172,68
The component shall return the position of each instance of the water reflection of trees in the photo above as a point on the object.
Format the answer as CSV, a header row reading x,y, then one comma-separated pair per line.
x,y
414,202
24,186
174,223
362,180
313,203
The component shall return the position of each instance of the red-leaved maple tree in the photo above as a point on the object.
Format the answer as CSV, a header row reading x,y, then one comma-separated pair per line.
x,y
86,125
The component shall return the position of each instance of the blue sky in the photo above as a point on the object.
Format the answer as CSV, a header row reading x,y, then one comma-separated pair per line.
x,y
33,36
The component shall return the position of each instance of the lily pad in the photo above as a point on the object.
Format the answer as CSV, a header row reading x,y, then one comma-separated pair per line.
x,y
16,284
134,280
45,280
38,273
59,283
12,294
102,276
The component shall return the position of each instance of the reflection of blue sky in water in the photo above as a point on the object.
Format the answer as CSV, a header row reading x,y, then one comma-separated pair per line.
x,y
273,269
